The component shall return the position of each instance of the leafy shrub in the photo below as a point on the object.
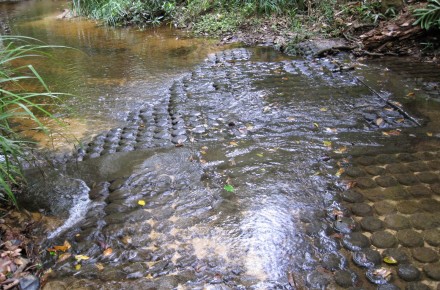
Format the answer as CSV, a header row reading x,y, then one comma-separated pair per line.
x,y
430,16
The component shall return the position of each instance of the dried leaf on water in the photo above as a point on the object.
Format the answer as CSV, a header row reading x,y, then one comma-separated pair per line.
x,y
64,257
379,121
410,94
390,260
141,202
316,125
78,267
331,130
233,143
429,134
391,133
260,155
291,119
126,240
382,272
62,248
323,109
79,258
327,143
229,188
341,150
100,266
339,172
107,252
350,184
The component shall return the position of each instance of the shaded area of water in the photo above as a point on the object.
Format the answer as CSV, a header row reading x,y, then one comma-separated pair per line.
x,y
110,71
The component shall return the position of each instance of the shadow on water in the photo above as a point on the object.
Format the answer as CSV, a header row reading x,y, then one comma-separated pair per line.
x,y
111,71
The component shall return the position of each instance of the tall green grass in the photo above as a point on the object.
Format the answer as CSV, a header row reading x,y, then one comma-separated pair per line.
x,y
16,102
115,12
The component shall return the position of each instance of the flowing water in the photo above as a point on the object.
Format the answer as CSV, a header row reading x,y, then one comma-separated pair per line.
x,y
220,168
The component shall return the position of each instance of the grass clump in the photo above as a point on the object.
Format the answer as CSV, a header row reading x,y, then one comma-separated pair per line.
x,y
17,102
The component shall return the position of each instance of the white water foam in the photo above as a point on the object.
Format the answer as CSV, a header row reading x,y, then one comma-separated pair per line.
x,y
80,205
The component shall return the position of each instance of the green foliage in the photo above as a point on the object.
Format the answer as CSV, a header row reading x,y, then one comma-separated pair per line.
x,y
430,16
16,102
368,11
141,12
117,12
217,24
229,188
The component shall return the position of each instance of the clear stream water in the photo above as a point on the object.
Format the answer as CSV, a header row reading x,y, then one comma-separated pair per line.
x,y
270,126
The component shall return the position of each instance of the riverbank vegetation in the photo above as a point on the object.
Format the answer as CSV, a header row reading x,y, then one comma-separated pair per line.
x,y
280,23
23,95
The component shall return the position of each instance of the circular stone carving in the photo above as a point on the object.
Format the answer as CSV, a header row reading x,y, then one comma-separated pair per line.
x,y
355,241
432,271
371,224
397,222
410,238
425,255
408,272
383,240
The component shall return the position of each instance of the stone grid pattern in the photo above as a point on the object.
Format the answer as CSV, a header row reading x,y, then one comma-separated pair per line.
x,y
395,203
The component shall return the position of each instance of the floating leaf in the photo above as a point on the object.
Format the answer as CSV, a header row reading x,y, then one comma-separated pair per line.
x,y
410,94
64,257
340,171
340,150
323,109
67,244
79,258
107,252
249,126
149,276
390,260
260,155
379,121
291,119
327,143
233,143
350,184
100,266
77,267
316,125
429,134
393,133
331,130
141,202
229,188
382,272
60,248
203,152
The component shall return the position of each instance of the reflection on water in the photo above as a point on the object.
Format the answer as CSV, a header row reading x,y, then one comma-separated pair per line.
x,y
110,70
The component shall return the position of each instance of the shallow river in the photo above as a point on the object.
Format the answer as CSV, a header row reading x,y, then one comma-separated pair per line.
x,y
203,167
